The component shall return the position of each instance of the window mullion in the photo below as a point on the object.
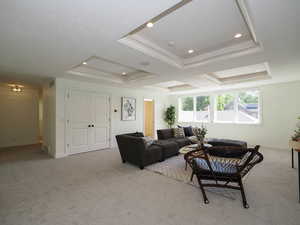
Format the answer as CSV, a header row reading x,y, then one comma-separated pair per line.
x,y
236,107
194,111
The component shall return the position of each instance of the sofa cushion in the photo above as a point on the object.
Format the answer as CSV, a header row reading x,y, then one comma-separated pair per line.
x,y
179,132
227,151
169,148
164,134
188,131
148,141
226,142
136,134
182,142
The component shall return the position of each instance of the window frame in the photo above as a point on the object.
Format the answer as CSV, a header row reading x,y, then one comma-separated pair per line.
x,y
194,109
235,120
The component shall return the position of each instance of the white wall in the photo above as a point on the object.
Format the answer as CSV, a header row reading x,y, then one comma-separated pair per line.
x,y
117,125
19,121
280,109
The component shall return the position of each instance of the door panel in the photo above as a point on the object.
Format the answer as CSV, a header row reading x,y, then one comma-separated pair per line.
x,y
81,107
89,109
101,122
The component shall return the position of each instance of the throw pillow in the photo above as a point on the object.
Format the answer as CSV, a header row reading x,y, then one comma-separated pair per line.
x,y
188,131
179,132
148,141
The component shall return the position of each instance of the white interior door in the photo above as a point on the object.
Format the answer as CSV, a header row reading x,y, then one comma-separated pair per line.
x,y
89,122
100,130
81,117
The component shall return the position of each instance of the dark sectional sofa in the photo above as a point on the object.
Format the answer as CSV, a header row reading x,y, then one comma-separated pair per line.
x,y
134,150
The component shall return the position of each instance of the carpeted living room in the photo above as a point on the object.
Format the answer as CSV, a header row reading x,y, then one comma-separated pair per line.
x,y
149,112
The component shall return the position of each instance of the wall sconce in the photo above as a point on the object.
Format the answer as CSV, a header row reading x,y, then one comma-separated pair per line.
x,y
15,87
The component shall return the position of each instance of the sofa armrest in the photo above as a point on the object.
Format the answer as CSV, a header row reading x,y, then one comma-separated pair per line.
x,y
131,148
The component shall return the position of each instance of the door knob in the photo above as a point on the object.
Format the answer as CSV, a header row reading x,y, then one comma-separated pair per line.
x,y
93,125
89,125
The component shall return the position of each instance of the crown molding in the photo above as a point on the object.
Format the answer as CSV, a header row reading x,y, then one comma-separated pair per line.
x,y
139,43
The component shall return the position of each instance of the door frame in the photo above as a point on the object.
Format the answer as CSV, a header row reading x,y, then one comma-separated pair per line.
x,y
68,95
154,117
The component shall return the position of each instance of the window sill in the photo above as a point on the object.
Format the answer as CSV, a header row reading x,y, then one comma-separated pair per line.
x,y
237,123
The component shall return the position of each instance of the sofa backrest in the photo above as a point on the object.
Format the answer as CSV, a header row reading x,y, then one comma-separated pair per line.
x,y
136,134
164,134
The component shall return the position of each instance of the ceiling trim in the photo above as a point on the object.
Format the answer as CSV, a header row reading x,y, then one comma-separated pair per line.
x,y
90,71
137,42
160,16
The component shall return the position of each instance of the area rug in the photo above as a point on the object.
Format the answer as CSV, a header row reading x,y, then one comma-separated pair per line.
x,y
174,168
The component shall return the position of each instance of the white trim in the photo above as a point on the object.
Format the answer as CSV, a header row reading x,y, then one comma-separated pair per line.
x,y
67,132
150,48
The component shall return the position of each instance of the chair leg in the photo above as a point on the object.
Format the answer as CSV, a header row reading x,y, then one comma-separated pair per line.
x,y
203,191
245,204
192,176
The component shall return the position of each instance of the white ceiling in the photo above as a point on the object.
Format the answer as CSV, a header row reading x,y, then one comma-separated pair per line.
x,y
45,39
203,26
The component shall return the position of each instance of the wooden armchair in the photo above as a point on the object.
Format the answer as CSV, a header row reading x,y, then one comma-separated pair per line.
x,y
224,172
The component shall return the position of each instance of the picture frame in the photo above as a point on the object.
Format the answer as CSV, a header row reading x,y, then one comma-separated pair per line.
x,y
128,109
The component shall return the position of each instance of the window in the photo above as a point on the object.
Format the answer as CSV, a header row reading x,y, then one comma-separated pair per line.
x,y
202,109
233,107
240,107
225,111
186,109
194,109
248,107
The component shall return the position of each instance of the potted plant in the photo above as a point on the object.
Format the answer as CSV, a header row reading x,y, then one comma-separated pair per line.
x,y
200,133
296,136
170,116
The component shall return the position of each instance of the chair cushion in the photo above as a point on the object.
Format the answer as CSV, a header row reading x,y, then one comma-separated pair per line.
x,y
217,166
179,132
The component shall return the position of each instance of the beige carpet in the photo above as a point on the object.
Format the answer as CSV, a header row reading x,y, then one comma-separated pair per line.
x,y
96,188
174,168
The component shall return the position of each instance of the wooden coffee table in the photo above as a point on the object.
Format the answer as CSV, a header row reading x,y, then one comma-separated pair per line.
x,y
189,148
192,147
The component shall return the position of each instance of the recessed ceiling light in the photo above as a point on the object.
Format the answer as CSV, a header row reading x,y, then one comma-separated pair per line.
x,y
84,63
238,35
191,51
149,25
124,73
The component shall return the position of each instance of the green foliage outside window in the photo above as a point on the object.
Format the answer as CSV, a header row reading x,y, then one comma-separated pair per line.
x,y
223,100
202,102
187,104
248,97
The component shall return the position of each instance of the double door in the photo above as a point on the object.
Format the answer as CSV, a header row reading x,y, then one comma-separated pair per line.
x,y
89,121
